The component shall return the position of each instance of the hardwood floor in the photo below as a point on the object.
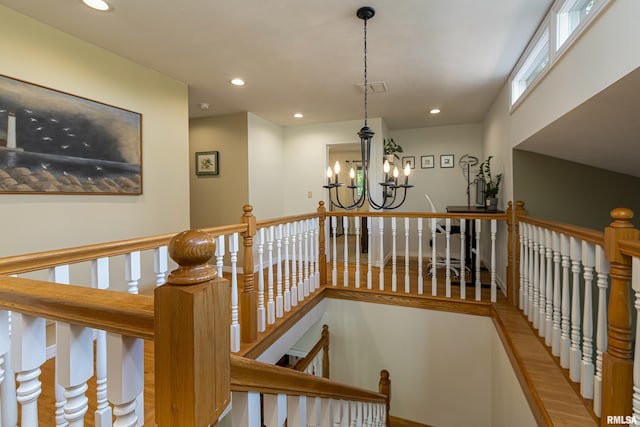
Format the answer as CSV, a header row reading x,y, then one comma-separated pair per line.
x,y
553,399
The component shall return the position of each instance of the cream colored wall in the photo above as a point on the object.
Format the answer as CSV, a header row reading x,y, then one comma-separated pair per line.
x,y
266,167
440,363
218,199
40,54
509,407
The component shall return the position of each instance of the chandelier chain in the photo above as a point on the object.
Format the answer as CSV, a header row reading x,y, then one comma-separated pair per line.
x,y
366,81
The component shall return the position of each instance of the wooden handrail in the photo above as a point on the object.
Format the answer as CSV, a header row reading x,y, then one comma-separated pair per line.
x,y
47,259
322,344
487,215
284,220
250,375
125,314
586,234
630,247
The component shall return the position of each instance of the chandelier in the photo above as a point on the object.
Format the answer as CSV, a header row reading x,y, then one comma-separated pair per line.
x,y
360,188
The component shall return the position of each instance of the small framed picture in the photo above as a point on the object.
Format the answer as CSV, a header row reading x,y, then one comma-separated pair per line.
x,y
446,160
426,162
409,159
207,163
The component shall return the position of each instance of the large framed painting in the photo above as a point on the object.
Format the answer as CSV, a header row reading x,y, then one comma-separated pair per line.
x,y
53,142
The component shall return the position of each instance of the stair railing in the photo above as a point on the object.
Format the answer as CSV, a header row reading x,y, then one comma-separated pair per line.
x,y
316,362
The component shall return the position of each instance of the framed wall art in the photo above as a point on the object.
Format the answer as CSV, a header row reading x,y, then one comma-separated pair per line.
x,y
409,159
52,142
446,160
426,162
207,163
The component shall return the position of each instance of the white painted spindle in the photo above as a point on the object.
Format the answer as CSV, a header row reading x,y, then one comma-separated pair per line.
x,y
220,251
313,411
394,254
271,303
369,254
406,255
262,314
557,295
334,271
447,268
357,250
235,324
542,304
535,316
279,295
586,367
477,249
532,292
565,324
494,288
125,377
245,409
635,285
576,352
381,259
420,277
301,261
9,408
353,414
287,278
103,413
296,411
548,319
161,264
306,258
294,266
275,409
522,287
434,258
132,271
463,259
60,274
345,230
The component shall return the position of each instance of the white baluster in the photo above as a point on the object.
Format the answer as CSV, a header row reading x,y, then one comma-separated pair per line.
x,y
542,278
394,252
306,259
132,271
287,281
369,254
447,231
336,410
8,408
220,251
353,414
524,270
557,298
345,420
635,284
312,245
478,282
434,258
245,409
271,304
161,264
28,342
376,415
420,277
406,255
294,264
383,415
60,274
262,314
125,377
74,366
316,228
334,229
381,260
359,417
565,324
235,324
103,413
548,320
494,288
575,353
532,276
602,271
535,316
325,412
367,414
586,367
301,261
275,410
279,296
357,250
345,255
463,259
297,411
313,411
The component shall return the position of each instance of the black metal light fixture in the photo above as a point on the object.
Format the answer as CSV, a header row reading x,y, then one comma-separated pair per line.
x,y
391,186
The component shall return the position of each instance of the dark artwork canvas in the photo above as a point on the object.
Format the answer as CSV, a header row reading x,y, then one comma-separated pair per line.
x,y
53,142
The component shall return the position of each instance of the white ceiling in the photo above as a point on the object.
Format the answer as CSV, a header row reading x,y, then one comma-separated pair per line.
x,y
307,55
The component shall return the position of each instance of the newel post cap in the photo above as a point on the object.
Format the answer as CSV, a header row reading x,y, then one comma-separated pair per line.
x,y
192,250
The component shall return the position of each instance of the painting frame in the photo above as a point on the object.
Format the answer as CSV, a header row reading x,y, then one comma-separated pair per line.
x,y
54,142
408,159
427,162
207,162
447,161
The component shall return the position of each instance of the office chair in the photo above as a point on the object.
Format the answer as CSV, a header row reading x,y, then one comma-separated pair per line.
x,y
440,238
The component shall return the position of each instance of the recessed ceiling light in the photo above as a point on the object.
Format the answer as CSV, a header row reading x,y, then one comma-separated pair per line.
x,y
97,4
237,82
434,111
298,115
203,106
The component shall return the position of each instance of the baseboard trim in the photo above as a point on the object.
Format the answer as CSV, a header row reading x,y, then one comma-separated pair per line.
x,y
401,422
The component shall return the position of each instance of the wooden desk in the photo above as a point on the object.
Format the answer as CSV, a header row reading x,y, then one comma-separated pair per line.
x,y
470,232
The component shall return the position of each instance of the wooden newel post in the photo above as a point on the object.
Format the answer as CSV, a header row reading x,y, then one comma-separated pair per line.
x,y
513,251
192,337
322,256
617,362
384,387
248,296
325,351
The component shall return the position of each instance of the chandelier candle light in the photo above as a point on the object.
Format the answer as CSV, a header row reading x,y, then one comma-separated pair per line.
x,y
390,186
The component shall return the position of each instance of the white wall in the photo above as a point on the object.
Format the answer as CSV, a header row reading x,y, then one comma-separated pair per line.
x,y
439,363
40,54
266,167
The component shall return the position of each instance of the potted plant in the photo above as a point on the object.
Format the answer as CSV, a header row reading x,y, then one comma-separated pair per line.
x,y
390,149
492,184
